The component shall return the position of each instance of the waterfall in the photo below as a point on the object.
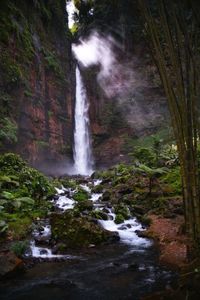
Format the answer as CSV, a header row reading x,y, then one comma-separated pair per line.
x,y
83,160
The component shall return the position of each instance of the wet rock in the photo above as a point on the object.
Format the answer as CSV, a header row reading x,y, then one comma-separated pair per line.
x,y
106,196
128,225
140,233
97,189
9,263
106,210
100,215
133,266
43,252
55,249
123,227
139,209
114,237
125,189
84,205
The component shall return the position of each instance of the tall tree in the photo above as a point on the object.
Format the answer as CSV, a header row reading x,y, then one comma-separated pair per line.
x,y
172,29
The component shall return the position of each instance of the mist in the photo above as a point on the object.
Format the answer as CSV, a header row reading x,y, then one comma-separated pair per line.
x,y
115,76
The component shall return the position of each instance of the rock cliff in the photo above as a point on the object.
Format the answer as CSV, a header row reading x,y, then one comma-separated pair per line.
x,y
36,80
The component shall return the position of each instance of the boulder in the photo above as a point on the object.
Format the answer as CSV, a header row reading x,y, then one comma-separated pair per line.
x,y
78,232
9,263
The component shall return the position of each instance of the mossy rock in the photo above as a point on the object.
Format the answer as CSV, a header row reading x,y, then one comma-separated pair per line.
x,y
97,189
145,220
119,219
81,195
100,215
78,232
84,205
106,196
123,211
124,189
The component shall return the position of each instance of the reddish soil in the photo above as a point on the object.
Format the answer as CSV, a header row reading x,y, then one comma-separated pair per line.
x,y
172,242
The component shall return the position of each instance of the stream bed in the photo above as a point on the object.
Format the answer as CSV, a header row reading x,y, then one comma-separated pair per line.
x,y
127,269
113,272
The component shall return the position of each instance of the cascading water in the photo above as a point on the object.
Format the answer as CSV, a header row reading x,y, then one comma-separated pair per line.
x,y
83,160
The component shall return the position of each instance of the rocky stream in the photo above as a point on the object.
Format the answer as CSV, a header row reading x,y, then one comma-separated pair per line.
x,y
124,266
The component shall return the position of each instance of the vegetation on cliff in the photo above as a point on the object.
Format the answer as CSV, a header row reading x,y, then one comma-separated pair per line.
x,y
34,77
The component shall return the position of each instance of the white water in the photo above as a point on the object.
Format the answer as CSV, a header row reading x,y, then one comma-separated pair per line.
x,y
126,230
83,160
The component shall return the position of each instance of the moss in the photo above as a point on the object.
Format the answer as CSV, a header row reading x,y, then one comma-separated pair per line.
x,y
42,144
122,210
99,214
77,232
5,103
8,131
84,205
97,189
119,219
81,195
11,70
52,62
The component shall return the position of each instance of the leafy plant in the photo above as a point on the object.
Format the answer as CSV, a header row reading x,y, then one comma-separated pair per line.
x,y
144,155
152,173
19,247
3,226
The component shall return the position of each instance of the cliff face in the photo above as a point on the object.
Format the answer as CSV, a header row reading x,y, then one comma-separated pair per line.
x,y
36,79
37,82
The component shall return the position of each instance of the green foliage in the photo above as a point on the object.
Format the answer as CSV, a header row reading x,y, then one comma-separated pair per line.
x,y
80,195
8,131
5,103
173,179
3,226
122,210
52,62
169,155
20,247
163,136
22,182
119,219
150,171
11,164
23,191
11,69
144,156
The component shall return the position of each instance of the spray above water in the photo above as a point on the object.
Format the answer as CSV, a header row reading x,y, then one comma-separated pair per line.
x,y
83,160
115,77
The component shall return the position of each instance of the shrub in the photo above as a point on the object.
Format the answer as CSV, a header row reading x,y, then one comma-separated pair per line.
x,y
19,247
